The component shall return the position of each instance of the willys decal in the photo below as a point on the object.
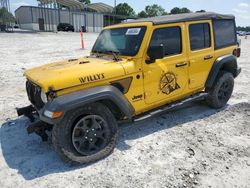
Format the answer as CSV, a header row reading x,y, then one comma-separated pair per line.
x,y
92,78
168,83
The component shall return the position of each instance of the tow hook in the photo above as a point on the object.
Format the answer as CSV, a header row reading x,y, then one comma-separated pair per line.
x,y
39,127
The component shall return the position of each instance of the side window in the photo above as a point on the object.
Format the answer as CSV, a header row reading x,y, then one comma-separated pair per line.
x,y
224,33
170,38
199,35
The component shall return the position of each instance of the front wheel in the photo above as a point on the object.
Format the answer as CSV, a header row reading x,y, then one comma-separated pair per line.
x,y
86,134
221,91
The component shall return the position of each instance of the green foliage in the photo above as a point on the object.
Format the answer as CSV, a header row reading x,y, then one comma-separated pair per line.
x,y
201,11
177,10
247,29
185,10
124,9
6,16
154,10
142,14
85,1
157,10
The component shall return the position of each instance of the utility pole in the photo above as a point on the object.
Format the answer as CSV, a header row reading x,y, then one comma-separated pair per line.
x,y
114,11
115,7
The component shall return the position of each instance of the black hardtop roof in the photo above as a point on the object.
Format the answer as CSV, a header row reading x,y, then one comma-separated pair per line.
x,y
184,17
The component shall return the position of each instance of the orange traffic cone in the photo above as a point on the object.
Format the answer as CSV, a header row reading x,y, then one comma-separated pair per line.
x,y
82,41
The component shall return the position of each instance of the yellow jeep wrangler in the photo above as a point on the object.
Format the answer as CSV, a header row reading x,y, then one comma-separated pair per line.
x,y
135,71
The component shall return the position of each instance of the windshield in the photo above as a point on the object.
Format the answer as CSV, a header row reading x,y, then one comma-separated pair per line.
x,y
123,41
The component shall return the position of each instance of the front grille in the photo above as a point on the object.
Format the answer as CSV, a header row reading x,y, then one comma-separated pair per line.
x,y
34,94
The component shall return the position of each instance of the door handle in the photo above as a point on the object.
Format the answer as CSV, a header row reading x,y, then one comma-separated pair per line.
x,y
181,64
208,57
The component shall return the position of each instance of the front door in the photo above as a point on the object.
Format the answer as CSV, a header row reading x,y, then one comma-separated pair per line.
x,y
165,79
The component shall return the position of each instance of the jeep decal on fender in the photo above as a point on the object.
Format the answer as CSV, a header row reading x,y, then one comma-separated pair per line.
x,y
137,98
92,78
168,83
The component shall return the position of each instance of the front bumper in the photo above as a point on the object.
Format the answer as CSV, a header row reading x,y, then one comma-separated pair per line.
x,y
34,114
28,111
37,125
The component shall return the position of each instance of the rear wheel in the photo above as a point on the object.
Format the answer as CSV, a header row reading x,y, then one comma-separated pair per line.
x,y
85,135
221,91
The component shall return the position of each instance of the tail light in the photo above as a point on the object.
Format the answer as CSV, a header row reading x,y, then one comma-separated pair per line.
x,y
237,52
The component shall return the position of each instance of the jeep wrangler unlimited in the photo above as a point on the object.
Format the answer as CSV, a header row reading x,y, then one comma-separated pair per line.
x,y
136,70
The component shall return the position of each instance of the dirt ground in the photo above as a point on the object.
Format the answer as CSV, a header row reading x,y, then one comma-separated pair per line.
x,y
192,147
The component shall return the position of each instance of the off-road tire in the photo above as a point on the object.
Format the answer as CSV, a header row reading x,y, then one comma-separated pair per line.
x,y
213,99
62,134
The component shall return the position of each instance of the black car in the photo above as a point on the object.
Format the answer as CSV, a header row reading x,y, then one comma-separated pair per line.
x,y
2,27
65,27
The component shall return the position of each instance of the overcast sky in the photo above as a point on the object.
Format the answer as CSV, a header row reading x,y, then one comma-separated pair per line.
x,y
240,8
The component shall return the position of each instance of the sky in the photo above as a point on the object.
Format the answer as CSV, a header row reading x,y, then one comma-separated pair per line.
x,y
240,8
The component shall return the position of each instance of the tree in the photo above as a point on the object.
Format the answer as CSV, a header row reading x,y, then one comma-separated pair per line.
x,y
6,16
177,10
124,9
85,1
201,11
154,10
185,10
142,14
246,29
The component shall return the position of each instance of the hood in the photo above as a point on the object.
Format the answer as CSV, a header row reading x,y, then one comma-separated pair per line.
x,y
73,72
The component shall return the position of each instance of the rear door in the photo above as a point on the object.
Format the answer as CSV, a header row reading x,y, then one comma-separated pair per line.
x,y
200,52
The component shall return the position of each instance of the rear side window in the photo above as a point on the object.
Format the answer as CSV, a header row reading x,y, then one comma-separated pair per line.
x,y
224,33
170,38
199,35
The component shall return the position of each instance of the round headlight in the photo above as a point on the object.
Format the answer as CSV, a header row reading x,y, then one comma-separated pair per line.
x,y
44,97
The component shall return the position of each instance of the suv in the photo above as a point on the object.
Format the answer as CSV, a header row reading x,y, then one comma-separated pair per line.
x,y
65,27
135,71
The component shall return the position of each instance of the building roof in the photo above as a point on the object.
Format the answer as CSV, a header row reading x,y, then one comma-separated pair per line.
x,y
184,17
74,4
100,7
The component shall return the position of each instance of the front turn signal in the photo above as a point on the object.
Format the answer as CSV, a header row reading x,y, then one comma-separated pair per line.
x,y
52,115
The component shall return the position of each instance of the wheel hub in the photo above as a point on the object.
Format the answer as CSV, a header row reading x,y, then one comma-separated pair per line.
x,y
90,134
224,91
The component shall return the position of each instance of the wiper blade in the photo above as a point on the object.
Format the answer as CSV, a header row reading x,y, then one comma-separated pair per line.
x,y
113,52
115,55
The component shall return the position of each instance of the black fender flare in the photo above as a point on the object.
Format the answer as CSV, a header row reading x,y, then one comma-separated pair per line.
x,y
77,99
227,63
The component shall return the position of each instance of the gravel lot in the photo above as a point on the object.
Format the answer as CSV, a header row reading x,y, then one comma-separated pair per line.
x,y
192,147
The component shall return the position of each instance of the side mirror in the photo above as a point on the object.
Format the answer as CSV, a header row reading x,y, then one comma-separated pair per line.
x,y
156,52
